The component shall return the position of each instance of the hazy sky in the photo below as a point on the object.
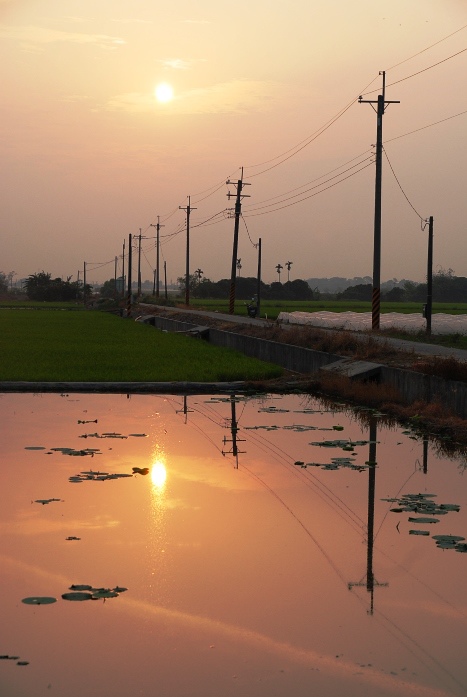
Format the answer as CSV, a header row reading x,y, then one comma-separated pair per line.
x,y
89,155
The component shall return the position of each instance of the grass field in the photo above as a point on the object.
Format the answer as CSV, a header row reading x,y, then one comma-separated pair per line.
x,y
53,345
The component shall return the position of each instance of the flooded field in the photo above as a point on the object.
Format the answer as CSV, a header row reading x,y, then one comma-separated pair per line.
x,y
215,547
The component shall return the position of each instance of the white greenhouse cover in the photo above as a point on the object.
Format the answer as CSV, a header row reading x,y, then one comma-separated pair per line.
x,y
440,323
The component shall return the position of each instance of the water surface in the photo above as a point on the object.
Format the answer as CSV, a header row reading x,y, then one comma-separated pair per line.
x,y
246,573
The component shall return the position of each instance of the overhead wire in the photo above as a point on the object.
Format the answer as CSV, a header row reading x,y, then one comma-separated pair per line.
x,y
254,207
400,187
278,208
427,48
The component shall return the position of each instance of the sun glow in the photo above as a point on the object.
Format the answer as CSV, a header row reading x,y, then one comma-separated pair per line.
x,y
158,474
164,92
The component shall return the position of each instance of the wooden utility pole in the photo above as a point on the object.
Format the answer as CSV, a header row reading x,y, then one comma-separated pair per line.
x,y
381,103
188,210
165,279
258,281
429,277
84,285
158,227
139,263
123,270
128,298
238,211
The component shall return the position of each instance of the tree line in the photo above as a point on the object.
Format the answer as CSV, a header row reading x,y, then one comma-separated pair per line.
x,y
246,288
445,288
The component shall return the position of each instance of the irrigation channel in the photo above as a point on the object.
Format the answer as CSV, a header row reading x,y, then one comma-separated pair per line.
x,y
210,545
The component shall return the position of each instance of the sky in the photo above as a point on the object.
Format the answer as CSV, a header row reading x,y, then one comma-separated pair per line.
x,y
90,155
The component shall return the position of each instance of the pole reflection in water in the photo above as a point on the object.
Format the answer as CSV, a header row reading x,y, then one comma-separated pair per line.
x,y
372,464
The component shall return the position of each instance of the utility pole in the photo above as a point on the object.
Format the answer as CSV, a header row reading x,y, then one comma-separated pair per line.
x,y
258,281
139,263
158,227
128,299
238,212
429,278
84,285
381,103
123,270
165,279
188,210
115,278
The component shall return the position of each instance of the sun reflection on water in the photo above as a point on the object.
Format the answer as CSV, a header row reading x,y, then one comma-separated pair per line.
x,y
158,475
158,532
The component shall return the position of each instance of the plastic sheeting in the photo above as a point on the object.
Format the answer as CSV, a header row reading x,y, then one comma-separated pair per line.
x,y
440,323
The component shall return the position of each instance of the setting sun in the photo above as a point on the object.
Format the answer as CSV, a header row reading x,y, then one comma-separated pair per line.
x,y
164,92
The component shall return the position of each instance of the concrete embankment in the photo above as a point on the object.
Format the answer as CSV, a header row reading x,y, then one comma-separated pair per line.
x,y
411,385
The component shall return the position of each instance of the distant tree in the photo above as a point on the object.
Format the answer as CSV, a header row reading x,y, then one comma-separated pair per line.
x,y
108,289
41,286
279,268
192,281
3,282
288,265
297,290
395,295
362,291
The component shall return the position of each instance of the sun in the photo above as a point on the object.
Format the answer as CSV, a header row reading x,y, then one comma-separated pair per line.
x,y
164,92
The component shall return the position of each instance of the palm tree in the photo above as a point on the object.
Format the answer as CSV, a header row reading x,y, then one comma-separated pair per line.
x,y
288,264
239,266
279,268
199,273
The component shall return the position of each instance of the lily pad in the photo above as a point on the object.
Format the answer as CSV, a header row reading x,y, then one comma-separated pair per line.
x,y
39,600
419,532
77,596
80,587
35,447
104,593
423,520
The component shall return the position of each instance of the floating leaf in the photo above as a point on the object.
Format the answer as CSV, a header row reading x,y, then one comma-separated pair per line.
x,y
22,663
35,447
80,587
104,593
418,532
77,596
423,520
449,538
39,600
138,435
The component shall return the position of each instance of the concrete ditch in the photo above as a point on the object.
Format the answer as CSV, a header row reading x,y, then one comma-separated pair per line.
x,y
411,385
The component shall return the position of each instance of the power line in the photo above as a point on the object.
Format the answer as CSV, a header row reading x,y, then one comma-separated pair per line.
x,y
254,207
427,48
400,187
422,128
308,139
424,70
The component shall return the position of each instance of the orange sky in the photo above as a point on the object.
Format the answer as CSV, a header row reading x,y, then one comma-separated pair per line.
x,y
90,156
